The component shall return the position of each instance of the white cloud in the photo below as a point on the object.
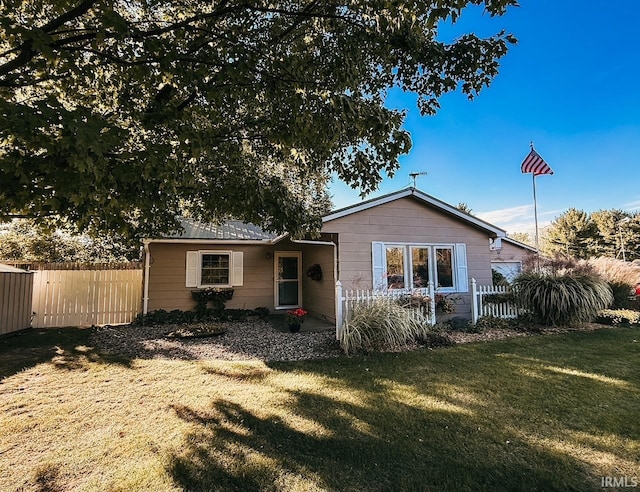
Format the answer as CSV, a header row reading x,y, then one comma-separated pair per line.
x,y
517,219
508,215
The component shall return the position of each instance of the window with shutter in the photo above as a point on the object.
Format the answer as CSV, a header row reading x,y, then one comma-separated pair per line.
x,y
214,269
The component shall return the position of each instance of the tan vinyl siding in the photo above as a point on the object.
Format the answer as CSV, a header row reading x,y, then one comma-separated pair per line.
x,y
405,221
511,252
167,276
168,271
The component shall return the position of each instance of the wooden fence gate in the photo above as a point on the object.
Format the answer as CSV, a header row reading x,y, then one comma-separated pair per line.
x,y
86,297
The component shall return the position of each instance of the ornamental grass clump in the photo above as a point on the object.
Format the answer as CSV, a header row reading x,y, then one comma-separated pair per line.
x,y
563,299
382,326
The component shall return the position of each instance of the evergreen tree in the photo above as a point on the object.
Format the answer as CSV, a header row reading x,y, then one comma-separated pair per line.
x,y
571,234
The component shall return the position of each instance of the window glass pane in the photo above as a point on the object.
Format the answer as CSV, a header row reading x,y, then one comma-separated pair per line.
x,y
288,267
444,267
395,268
420,267
288,293
215,269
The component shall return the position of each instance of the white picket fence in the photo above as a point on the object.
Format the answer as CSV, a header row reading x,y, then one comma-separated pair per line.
x,y
347,299
479,307
85,297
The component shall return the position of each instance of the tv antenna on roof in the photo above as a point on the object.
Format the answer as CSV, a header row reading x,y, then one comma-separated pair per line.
x,y
413,176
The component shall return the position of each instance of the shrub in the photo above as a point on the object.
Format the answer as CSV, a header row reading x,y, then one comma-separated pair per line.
x,y
445,303
614,270
621,295
415,300
526,322
435,340
262,312
497,278
177,317
492,323
163,317
382,326
217,297
618,317
505,298
564,299
458,323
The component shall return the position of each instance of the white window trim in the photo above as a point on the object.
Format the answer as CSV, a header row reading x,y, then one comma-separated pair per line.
x,y
454,268
459,284
194,268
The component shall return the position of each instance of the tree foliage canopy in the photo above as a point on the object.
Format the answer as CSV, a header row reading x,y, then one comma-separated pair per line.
x,y
121,114
603,233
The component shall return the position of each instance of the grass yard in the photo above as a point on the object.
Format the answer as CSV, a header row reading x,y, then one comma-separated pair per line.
x,y
555,412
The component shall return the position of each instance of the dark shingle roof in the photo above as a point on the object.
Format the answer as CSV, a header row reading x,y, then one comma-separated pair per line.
x,y
229,230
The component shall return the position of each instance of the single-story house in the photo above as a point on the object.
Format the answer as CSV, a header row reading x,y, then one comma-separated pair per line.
x,y
400,240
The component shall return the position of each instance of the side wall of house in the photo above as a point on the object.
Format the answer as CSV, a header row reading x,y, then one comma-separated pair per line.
x,y
510,252
405,221
167,276
511,260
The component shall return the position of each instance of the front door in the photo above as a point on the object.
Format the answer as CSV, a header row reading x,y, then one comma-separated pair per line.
x,y
288,268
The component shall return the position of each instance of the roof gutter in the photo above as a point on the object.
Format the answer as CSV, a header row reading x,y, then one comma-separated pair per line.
x,y
210,241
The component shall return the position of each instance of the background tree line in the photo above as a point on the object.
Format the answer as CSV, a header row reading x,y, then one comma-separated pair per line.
x,y
577,234
24,240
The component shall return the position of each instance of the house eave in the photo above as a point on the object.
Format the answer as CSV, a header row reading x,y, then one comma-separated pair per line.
x,y
519,244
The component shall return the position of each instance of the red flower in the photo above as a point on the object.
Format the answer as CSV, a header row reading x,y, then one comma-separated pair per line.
x,y
296,315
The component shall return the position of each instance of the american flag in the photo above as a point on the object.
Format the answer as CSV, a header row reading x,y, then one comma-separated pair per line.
x,y
535,164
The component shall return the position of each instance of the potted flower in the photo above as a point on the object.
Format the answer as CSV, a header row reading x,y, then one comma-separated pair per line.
x,y
294,318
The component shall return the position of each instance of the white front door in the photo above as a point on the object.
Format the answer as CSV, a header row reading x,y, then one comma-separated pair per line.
x,y
288,279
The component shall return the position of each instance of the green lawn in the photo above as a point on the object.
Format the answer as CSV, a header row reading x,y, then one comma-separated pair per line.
x,y
555,412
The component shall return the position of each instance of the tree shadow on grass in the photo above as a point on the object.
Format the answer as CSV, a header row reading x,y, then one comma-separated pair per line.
x,y
563,419
66,348
355,447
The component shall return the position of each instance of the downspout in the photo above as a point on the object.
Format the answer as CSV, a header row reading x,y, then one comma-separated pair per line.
x,y
147,267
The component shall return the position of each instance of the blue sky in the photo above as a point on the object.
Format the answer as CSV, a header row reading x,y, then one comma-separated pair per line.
x,y
571,85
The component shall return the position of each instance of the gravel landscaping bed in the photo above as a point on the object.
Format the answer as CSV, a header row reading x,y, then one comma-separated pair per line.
x,y
251,339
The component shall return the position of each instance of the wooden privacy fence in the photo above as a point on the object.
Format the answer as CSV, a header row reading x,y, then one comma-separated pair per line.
x,y
86,297
479,307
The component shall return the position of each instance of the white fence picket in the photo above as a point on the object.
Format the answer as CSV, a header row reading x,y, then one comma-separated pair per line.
x,y
481,308
85,297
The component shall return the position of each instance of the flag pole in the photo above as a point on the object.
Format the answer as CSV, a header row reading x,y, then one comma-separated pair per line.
x,y
535,215
535,165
